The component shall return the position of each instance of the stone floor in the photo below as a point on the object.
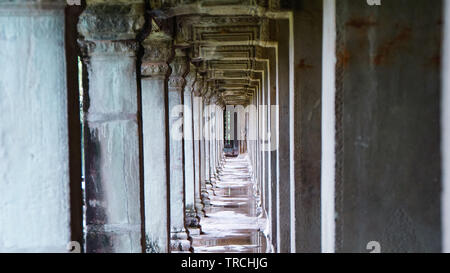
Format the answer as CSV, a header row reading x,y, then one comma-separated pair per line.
x,y
231,224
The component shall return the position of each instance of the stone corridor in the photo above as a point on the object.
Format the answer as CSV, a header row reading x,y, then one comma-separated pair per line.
x,y
232,222
115,116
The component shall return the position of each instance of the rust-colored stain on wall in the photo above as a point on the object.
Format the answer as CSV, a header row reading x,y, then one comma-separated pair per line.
x,y
303,65
342,58
361,22
385,50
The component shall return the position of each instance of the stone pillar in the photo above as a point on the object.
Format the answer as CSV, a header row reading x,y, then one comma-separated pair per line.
x,y
388,148
196,106
306,64
218,126
283,161
328,127
203,154
206,128
212,139
158,52
273,148
179,235
257,166
216,137
265,136
34,168
260,161
192,219
211,180
112,165
252,137
222,135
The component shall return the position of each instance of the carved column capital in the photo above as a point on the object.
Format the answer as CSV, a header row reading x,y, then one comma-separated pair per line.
x,y
221,102
158,50
208,94
111,20
110,27
198,85
179,68
214,97
157,54
191,79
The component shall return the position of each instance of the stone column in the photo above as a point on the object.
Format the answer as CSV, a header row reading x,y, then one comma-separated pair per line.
x,y
192,219
207,127
259,158
328,127
283,161
219,126
158,52
250,123
273,147
258,187
196,106
112,160
216,137
388,147
222,134
265,148
252,135
204,154
179,235
34,168
212,139
306,63
211,181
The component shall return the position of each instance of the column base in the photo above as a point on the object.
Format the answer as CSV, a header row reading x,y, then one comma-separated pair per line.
x,y
257,196
210,187
200,208
193,222
180,242
195,231
205,198
213,181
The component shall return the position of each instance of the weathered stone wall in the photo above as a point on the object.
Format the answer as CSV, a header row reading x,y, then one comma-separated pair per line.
x,y
446,130
306,59
388,174
283,167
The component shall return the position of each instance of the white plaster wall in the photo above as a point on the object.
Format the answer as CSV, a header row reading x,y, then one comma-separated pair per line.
x,y
328,126
34,179
446,131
